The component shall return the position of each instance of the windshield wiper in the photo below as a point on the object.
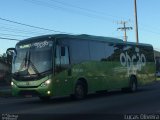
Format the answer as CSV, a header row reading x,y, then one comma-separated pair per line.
x,y
32,65
24,62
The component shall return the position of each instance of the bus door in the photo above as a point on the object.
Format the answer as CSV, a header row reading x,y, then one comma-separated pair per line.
x,y
62,74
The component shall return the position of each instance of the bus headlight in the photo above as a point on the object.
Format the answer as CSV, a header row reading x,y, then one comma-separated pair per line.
x,y
48,92
46,83
12,83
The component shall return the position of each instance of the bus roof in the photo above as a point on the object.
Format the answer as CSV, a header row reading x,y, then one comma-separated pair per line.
x,y
81,37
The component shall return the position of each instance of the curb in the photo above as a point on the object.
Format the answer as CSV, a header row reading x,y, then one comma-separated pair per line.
x,y
5,93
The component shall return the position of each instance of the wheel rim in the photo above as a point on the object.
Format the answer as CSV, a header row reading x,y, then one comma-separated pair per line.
x,y
133,86
79,91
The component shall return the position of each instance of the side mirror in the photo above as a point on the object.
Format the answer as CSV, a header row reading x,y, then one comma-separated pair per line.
x,y
9,54
10,51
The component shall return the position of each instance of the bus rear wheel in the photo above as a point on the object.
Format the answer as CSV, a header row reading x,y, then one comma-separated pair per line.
x,y
133,84
80,90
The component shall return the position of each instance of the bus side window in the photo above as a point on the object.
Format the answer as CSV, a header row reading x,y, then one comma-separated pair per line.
x,y
62,55
57,56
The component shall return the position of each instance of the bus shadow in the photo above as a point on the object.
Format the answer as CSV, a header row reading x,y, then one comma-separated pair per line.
x,y
67,99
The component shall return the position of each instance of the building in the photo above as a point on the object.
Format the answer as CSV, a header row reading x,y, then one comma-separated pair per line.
x,y
4,71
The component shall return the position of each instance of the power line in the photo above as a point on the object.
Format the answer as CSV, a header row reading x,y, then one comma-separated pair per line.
x,y
11,21
84,9
93,15
147,28
9,39
76,7
149,31
13,35
15,30
42,3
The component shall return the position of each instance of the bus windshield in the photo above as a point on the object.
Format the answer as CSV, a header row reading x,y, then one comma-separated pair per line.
x,y
32,59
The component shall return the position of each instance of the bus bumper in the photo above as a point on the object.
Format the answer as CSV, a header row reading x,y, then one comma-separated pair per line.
x,y
32,91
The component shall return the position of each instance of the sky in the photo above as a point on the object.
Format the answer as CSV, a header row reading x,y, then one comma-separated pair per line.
x,y
93,17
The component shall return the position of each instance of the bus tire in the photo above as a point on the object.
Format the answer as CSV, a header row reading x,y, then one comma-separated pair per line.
x,y
44,98
133,84
80,90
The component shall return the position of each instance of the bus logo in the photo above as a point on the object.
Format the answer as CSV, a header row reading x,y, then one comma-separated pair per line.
x,y
41,44
133,63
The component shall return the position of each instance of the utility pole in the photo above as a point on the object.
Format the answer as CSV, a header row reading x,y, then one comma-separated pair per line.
x,y
136,21
124,28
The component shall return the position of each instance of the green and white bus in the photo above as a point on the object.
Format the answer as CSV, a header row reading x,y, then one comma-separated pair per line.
x,y
77,65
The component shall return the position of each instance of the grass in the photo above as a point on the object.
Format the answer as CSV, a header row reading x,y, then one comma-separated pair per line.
x,y
158,78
